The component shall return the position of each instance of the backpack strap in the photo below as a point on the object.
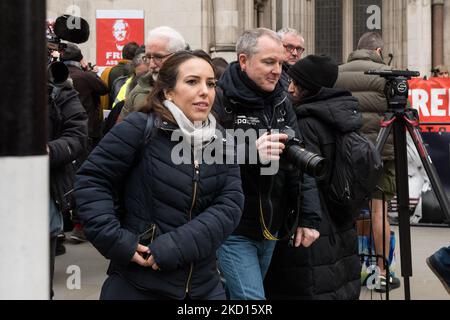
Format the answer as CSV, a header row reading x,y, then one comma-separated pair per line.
x,y
118,197
149,128
146,137
226,114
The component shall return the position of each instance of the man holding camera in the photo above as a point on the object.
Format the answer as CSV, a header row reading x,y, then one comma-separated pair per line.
x,y
250,97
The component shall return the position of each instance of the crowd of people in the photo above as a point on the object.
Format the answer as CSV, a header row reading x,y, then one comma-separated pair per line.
x,y
202,230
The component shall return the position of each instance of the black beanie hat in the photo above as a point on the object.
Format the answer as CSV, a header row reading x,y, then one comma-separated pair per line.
x,y
315,72
72,53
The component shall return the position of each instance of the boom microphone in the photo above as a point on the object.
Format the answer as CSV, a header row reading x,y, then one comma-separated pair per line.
x,y
72,29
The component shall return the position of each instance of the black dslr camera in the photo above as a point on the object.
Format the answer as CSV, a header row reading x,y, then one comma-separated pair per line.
x,y
308,162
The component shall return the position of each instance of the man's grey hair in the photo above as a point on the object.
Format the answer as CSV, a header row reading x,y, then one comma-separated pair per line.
x,y
282,32
370,41
248,42
176,40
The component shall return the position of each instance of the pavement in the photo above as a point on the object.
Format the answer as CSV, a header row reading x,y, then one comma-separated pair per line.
x,y
80,273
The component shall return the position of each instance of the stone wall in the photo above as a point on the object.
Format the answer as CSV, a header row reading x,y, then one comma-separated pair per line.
x,y
187,16
216,24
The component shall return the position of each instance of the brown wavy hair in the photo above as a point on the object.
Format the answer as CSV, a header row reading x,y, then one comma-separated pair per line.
x,y
167,80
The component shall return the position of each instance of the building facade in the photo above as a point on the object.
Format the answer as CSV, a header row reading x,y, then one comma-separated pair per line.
x,y
416,32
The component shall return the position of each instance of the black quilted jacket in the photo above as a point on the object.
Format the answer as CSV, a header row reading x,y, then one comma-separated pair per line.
x,y
194,209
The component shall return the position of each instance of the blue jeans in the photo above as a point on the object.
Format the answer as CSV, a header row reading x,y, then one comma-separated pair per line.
x,y
243,263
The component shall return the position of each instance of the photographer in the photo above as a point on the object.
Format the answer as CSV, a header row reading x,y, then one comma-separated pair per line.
x,y
250,97
329,269
67,133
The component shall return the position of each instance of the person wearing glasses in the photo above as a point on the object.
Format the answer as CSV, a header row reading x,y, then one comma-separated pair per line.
x,y
162,43
294,47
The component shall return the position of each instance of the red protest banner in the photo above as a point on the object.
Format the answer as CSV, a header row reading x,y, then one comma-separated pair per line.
x,y
432,99
116,28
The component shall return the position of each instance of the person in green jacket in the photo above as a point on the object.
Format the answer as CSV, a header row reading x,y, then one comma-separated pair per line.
x,y
162,43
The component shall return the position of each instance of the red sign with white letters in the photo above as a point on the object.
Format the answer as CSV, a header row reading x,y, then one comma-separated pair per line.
x,y
432,99
116,28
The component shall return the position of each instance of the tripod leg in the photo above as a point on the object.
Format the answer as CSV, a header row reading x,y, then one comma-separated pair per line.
x,y
401,168
430,169
386,128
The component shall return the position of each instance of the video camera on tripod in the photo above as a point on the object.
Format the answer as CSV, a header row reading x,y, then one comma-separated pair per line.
x,y
397,88
400,117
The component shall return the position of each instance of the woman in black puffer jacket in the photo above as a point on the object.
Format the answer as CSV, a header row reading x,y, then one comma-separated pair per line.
x,y
176,215
330,268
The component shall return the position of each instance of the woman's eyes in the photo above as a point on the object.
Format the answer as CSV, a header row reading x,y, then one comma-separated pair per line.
x,y
193,82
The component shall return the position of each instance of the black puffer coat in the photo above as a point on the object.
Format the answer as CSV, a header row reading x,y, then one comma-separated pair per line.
x,y
193,208
330,268
68,134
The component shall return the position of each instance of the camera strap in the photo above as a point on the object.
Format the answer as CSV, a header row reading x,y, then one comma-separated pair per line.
x,y
266,232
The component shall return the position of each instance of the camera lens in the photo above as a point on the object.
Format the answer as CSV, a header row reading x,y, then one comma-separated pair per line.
x,y
308,162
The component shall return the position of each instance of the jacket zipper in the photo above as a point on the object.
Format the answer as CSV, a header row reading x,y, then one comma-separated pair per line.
x,y
194,199
269,123
266,232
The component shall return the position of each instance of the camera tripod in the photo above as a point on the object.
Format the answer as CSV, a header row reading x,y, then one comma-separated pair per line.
x,y
400,118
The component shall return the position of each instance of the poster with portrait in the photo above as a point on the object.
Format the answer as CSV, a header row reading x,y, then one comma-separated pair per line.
x,y
116,28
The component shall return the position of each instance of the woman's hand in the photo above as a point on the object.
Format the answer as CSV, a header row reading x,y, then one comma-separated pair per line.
x,y
270,147
139,259
306,237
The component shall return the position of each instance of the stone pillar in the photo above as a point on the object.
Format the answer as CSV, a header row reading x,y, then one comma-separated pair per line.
x,y
24,162
247,19
207,28
447,32
263,13
419,36
226,28
395,32
438,32
347,29
300,15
